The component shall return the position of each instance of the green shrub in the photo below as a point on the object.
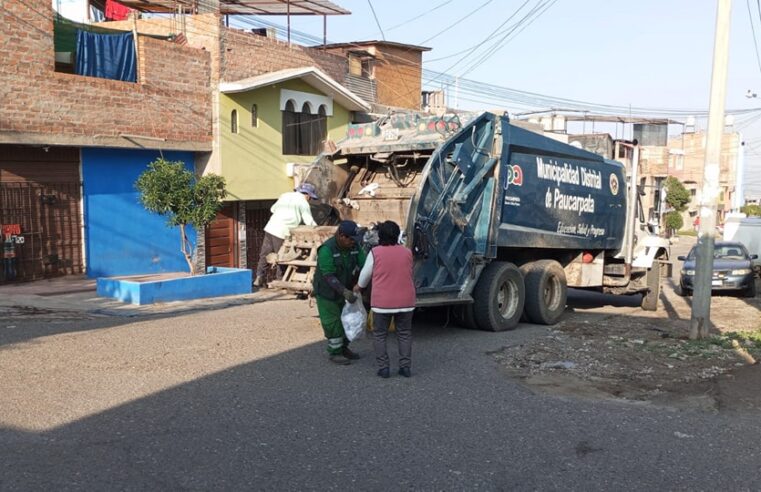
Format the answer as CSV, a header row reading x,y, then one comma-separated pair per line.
x,y
168,189
751,210
673,221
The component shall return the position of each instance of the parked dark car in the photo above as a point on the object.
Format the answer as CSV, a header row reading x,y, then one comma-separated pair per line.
x,y
732,270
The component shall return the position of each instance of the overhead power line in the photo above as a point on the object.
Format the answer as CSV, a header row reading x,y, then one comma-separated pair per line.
x,y
457,22
526,21
473,48
423,14
499,94
753,30
370,3
495,96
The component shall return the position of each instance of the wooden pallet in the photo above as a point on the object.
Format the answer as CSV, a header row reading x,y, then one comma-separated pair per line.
x,y
298,258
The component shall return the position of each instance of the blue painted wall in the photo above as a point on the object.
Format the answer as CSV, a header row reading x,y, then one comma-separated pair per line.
x,y
121,237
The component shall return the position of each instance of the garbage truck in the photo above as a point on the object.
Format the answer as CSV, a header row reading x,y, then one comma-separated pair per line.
x,y
501,220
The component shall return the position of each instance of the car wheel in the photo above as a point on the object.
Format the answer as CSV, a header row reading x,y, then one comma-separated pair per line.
x,y
751,290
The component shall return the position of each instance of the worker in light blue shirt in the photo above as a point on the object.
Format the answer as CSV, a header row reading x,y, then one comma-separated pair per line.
x,y
289,211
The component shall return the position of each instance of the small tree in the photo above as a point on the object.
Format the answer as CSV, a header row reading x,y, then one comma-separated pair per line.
x,y
673,221
751,210
167,188
677,196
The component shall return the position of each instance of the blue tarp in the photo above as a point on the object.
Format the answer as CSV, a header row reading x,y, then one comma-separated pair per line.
x,y
108,56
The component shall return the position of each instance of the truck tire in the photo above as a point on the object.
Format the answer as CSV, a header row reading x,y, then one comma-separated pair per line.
x,y
546,292
498,297
653,279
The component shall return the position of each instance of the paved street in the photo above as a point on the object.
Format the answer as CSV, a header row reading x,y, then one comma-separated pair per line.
x,y
243,398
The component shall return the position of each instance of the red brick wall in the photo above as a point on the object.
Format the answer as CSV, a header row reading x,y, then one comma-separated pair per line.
x,y
247,55
398,73
38,104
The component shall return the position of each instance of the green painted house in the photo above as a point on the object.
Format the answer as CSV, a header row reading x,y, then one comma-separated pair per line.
x,y
271,122
269,126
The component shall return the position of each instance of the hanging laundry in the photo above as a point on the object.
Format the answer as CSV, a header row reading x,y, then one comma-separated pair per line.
x,y
116,11
108,56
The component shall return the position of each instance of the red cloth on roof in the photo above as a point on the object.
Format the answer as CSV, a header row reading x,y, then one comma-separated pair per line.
x,y
116,11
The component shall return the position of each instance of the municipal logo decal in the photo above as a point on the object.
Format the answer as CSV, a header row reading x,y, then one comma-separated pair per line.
x,y
514,175
613,184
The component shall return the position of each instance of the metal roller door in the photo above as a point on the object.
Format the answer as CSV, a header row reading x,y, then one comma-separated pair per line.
x,y
40,209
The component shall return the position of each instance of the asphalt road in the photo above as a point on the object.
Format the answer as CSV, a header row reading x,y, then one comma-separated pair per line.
x,y
243,398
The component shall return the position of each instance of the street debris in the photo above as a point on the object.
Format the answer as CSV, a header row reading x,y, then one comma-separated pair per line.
x,y
644,357
31,312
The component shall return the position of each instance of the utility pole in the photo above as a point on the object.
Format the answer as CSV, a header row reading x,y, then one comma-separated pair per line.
x,y
701,300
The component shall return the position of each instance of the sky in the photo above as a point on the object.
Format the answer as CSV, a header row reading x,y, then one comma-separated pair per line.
x,y
654,54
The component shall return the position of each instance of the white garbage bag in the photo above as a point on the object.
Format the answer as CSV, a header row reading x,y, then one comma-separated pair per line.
x,y
354,319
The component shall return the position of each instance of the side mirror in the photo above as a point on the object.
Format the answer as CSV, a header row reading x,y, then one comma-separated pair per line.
x,y
753,257
681,258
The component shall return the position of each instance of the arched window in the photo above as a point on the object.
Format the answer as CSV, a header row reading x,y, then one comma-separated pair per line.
x,y
304,132
234,121
290,129
321,126
254,116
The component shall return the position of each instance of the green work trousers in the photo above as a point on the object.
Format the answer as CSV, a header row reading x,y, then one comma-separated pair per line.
x,y
330,318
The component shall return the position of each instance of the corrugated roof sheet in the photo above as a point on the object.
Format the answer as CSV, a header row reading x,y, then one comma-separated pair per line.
x,y
243,7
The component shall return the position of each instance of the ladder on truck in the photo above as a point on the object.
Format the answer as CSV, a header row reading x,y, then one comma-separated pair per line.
x,y
297,258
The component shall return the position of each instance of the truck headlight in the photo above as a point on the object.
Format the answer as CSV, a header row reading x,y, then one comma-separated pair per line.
x,y
688,272
741,271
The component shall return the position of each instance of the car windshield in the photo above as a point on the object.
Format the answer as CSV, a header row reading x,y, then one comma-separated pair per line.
x,y
723,252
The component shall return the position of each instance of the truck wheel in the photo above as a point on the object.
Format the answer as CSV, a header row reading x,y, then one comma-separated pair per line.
x,y
546,292
498,297
650,298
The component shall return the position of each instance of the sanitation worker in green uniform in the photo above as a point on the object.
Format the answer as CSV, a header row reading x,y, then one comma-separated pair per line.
x,y
339,260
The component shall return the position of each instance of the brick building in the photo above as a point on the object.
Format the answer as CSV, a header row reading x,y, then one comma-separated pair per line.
x,y
174,104
236,55
381,73
686,160
384,72
71,147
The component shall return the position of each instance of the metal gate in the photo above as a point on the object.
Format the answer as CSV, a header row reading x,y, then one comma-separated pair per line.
x,y
257,215
45,230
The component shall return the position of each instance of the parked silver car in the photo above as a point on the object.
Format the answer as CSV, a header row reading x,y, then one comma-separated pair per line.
x,y
732,269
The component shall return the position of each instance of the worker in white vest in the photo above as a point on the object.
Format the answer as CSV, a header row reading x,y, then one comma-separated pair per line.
x,y
289,211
